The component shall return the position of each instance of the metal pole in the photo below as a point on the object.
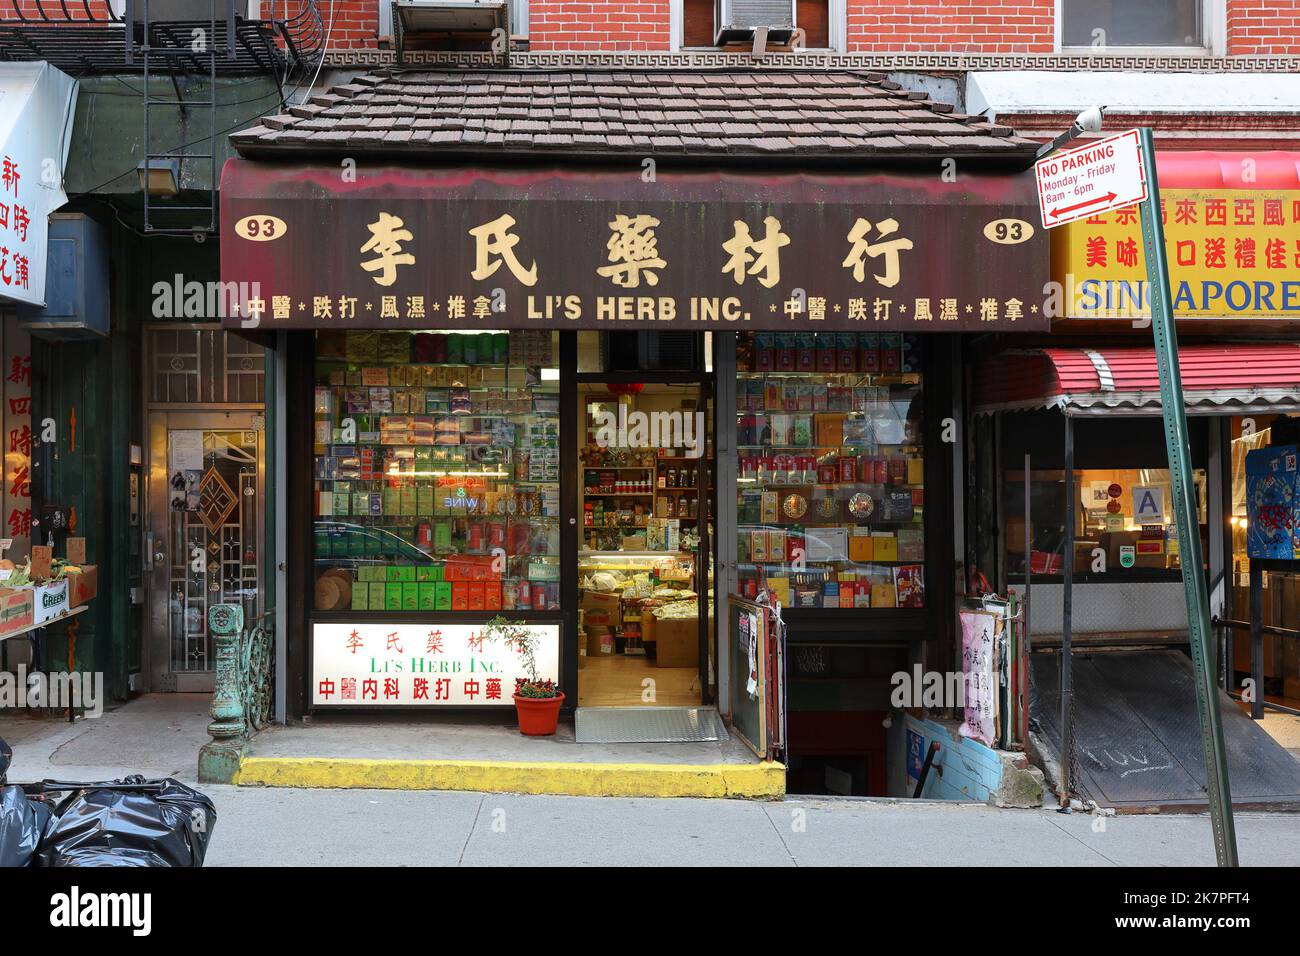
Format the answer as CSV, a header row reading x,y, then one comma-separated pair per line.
x,y
1184,500
1257,640
1022,664
1067,622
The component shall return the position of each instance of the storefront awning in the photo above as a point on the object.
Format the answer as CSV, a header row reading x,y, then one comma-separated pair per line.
x,y
1217,379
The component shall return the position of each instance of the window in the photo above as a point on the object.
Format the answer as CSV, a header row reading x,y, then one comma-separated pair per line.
x,y
830,477
437,470
821,20
1101,24
1124,522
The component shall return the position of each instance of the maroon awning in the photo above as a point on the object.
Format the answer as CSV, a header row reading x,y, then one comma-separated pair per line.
x,y
1216,379
396,247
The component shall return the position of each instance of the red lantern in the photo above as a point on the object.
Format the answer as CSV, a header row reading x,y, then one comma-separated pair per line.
x,y
626,388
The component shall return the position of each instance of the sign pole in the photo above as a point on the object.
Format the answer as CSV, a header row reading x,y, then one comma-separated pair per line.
x,y
1184,502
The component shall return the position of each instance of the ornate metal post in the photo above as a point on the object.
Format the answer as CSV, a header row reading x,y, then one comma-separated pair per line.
x,y
219,758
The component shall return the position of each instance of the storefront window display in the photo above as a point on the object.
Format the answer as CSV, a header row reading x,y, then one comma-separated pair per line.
x,y
831,495
437,471
1124,522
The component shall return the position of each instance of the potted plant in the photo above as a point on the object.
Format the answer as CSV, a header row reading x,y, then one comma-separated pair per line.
x,y
537,702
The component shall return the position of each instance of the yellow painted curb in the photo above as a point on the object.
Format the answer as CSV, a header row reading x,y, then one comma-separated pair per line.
x,y
758,780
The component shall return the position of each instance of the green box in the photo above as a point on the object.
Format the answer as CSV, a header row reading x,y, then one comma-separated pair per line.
x,y
442,596
427,597
424,499
424,572
377,590
406,500
392,597
410,596
360,597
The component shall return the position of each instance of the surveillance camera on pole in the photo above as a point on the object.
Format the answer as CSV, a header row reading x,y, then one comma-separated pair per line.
x,y
1089,121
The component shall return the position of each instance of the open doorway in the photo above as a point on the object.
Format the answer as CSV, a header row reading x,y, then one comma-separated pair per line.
x,y
645,568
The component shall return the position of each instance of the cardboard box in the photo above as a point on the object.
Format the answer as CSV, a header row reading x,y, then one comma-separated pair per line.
x,y
677,642
602,608
84,586
15,609
49,601
600,641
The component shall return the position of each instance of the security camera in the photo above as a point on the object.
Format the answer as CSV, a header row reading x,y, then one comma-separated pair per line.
x,y
1089,121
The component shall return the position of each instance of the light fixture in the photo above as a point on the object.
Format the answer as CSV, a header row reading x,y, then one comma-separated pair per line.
x,y
160,176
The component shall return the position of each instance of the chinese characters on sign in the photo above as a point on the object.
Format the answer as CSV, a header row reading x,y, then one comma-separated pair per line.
x,y
386,664
15,224
1232,253
872,253
16,415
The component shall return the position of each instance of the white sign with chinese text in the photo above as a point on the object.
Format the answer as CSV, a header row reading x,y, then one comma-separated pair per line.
x,y
376,664
1078,183
36,104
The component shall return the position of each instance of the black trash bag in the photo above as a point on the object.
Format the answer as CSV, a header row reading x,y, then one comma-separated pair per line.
x,y
145,823
22,824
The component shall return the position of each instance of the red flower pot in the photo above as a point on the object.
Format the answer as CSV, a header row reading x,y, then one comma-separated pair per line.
x,y
538,716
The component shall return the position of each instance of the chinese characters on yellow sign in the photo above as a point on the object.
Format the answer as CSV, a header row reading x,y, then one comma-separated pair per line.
x,y
1232,254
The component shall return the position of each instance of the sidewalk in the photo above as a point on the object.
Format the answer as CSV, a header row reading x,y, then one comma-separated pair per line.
x,y
280,827
161,735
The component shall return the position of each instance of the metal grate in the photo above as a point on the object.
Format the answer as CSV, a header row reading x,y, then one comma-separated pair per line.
x,y
648,725
204,365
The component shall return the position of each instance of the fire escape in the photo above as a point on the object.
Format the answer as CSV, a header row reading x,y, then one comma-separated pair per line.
x,y
191,45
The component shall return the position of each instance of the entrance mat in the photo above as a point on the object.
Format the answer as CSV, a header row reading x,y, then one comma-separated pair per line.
x,y
647,725
1138,737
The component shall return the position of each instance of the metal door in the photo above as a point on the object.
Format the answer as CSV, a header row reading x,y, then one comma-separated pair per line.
x,y
203,536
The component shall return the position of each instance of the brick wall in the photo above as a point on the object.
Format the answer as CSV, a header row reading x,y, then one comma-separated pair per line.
x,y
951,26
1264,27
598,25
54,9
1254,27
355,23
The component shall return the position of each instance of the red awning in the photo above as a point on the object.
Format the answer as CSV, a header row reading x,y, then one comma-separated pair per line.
x,y
1210,169
1225,379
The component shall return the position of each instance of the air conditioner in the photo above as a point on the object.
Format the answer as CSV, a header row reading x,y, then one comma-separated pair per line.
x,y
740,20
449,16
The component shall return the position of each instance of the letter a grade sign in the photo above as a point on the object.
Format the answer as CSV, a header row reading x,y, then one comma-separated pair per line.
x,y
1092,179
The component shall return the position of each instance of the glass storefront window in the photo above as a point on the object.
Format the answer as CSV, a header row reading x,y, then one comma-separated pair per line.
x,y
437,471
831,486
1124,520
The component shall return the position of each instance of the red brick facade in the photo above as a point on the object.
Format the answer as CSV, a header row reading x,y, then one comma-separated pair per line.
x,y
597,25
1264,27
951,26
1254,27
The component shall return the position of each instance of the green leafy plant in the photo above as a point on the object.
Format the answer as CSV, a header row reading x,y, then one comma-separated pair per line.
x,y
523,640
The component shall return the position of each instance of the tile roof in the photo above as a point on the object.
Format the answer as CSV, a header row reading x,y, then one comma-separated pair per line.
x,y
593,113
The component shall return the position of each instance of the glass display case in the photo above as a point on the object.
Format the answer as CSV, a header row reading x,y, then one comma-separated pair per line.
x,y
437,472
830,470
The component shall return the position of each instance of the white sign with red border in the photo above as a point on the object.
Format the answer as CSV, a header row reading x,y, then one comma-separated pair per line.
x,y
376,664
1078,183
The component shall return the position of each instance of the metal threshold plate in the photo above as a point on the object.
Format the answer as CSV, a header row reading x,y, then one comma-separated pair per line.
x,y
648,725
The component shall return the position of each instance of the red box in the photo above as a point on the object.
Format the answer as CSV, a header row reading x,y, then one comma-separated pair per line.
x,y
492,597
477,599
460,596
